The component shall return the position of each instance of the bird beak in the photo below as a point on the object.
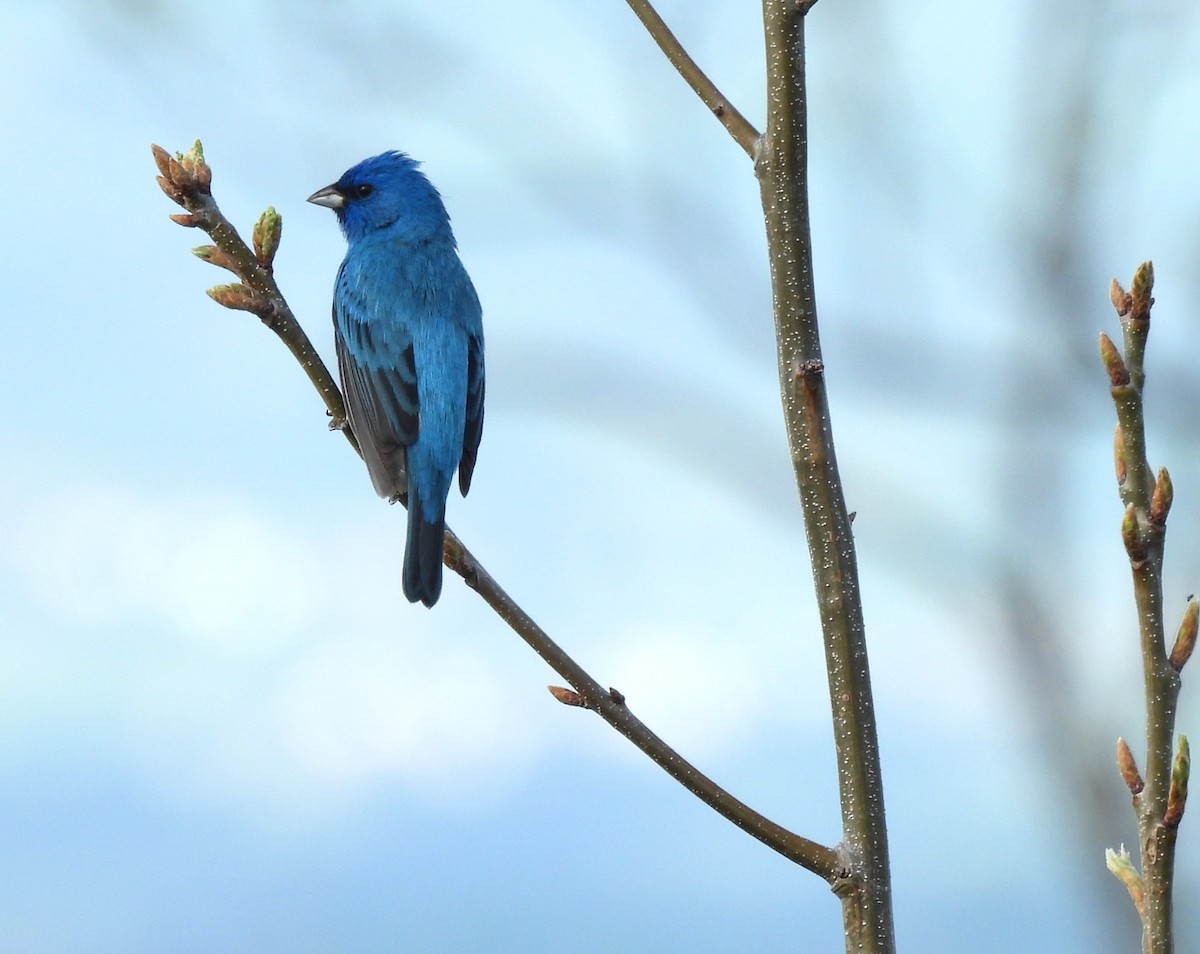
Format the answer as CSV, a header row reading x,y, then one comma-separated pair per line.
x,y
329,197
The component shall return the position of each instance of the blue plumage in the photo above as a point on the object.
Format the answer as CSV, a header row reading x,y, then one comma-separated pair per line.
x,y
409,337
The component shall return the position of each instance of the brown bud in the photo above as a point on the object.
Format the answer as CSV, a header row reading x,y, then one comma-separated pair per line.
x,y
184,176
215,255
1114,364
185,219
1128,767
234,296
1162,498
162,159
175,171
204,178
568,697
173,192
1185,639
1119,297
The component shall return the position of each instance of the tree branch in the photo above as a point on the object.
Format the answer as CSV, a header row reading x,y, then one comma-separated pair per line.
x,y
1158,800
186,179
781,163
738,126
782,168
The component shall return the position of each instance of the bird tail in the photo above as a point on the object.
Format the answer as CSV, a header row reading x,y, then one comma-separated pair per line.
x,y
423,552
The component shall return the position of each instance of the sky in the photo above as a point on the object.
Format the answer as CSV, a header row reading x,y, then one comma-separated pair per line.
x,y
221,725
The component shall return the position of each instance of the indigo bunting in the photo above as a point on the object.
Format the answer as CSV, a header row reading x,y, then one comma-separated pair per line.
x,y
409,336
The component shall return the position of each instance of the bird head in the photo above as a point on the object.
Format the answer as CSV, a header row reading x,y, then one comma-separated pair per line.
x,y
386,195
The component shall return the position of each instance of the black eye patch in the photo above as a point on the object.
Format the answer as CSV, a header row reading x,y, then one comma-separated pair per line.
x,y
362,191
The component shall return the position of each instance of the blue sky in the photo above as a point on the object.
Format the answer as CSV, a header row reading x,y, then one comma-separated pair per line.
x,y
222,727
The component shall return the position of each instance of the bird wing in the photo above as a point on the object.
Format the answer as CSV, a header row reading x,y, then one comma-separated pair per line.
x,y
379,378
474,424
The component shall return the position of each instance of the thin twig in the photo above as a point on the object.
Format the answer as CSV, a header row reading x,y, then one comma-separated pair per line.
x,y
610,706
1159,795
739,127
186,180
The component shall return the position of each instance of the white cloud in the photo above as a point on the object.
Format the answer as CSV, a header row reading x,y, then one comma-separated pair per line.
x,y
247,673
349,712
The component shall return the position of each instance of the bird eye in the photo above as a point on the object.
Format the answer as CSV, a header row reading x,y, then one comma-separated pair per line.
x,y
362,191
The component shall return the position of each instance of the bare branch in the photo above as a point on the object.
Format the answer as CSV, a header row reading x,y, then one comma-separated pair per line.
x,y
782,167
1159,796
186,179
739,127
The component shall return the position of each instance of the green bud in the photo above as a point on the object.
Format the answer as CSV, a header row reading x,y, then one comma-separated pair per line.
x,y
1132,538
1181,768
1139,292
266,236
195,169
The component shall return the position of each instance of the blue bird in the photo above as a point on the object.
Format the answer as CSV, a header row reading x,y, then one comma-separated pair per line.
x,y
409,336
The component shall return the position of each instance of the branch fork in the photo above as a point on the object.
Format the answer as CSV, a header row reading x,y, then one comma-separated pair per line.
x,y
186,179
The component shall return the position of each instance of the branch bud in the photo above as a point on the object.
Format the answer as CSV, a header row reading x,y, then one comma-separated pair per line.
x,y
197,169
234,296
216,256
1161,499
1181,768
173,192
1119,456
266,236
1185,639
1121,865
204,176
1120,298
1129,769
183,176
1132,538
185,219
1114,364
162,159
1139,292
568,697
